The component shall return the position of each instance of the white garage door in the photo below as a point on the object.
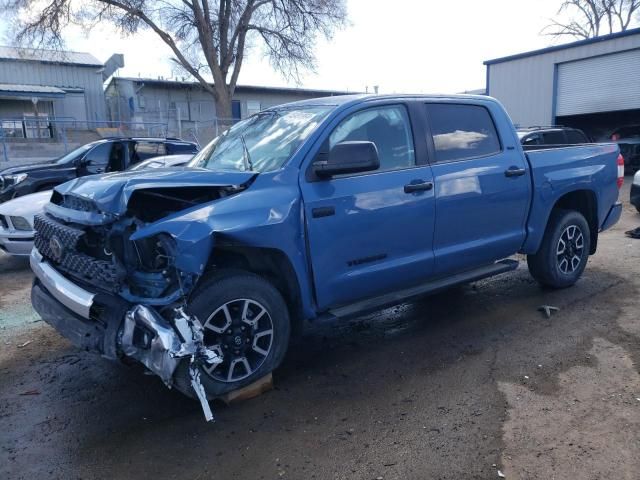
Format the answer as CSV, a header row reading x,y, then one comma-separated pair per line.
x,y
599,84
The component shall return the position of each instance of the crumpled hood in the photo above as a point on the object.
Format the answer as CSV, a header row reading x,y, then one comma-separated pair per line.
x,y
111,191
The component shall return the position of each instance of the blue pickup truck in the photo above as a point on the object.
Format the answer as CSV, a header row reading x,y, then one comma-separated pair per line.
x,y
319,209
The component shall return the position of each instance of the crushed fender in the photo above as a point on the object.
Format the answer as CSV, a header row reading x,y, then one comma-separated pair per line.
x,y
161,344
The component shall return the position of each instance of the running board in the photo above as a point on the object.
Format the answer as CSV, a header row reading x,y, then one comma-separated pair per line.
x,y
389,299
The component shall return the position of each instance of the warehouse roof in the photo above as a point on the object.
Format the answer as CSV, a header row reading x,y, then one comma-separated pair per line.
x,y
555,48
239,88
82,59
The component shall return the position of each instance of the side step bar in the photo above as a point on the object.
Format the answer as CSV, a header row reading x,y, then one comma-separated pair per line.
x,y
389,299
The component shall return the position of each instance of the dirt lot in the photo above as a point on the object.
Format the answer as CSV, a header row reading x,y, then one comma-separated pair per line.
x,y
459,385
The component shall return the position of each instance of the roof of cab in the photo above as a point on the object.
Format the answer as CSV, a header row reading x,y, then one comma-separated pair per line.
x,y
339,100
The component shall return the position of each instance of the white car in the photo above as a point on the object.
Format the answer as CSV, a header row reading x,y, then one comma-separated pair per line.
x,y
16,222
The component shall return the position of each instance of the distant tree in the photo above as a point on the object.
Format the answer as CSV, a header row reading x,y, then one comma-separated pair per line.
x,y
205,36
592,18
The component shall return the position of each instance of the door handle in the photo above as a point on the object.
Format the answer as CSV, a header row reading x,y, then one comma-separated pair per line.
x,y
514,172
418,187
320,212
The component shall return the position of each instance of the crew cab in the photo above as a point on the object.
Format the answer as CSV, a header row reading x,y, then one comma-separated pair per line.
x,y
105,155
319,209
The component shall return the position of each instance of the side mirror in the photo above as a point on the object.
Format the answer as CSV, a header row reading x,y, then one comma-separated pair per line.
x,y
348,157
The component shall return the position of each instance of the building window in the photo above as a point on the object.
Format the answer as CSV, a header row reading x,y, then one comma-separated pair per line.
x,y
142,103
253,106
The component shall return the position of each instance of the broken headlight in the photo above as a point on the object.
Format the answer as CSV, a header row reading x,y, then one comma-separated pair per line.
x,y
155,253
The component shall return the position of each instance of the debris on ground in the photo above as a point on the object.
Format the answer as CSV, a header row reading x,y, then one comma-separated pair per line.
x,y
500,474
635,233
548,310
30,392
25,344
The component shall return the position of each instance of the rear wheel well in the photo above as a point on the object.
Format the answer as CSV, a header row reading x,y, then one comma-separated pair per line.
x,y
269,263
585,202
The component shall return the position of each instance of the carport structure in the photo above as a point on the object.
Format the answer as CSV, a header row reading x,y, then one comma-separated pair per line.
x,y
591,84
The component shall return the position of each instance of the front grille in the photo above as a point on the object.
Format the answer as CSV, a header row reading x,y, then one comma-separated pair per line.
x,y
60,244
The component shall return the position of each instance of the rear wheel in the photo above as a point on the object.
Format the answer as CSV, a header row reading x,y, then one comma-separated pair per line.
x,y
564,251
245,320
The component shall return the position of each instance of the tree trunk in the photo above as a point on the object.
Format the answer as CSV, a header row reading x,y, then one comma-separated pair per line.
x,y
223,103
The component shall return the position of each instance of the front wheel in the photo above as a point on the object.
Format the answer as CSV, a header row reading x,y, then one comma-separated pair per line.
x,y
246,320
564,251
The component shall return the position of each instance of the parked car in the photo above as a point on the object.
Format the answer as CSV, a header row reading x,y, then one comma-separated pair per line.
x,y
635,191
16,216
628,139
106,155
538,137
16,222
319,209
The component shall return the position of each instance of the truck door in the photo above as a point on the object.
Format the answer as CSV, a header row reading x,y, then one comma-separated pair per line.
x,y
371,232
482,186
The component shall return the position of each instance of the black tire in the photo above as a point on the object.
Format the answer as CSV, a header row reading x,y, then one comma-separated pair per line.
x,y
638,208
562,270
235,288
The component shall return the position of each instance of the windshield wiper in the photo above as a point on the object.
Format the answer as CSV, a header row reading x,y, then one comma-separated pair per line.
x,y
246,156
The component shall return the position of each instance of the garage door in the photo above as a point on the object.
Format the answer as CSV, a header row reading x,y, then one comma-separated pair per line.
x,y
599,84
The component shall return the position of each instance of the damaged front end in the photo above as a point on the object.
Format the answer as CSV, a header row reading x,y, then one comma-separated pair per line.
x,y
124,265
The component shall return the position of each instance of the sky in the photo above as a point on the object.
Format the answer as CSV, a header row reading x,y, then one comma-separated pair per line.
x,y
402,46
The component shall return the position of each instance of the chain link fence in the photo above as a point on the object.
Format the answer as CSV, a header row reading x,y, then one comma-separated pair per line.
x,y
48,137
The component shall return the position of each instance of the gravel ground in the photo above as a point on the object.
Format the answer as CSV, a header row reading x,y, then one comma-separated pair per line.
x,y
459,385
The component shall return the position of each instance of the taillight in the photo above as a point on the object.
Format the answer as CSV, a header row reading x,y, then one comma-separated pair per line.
x,y
620,170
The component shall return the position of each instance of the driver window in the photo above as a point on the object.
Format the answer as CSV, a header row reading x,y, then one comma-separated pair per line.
x,y
387,127
99,156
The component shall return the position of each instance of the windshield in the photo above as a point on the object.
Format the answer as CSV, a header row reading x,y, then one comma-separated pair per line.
x,y
72,155
262,142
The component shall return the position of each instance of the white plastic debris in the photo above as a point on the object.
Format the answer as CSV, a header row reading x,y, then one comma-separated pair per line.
x,y
500,474
548,310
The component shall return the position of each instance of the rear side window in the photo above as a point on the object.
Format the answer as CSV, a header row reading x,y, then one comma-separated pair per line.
x,y
554,137
576,136
462,131
533,139
178,148
144,150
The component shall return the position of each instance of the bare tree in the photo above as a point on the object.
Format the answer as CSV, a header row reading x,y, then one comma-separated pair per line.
x,y
205,36
591,18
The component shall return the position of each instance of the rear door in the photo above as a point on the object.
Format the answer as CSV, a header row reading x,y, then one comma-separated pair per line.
x,y
369,233
482,186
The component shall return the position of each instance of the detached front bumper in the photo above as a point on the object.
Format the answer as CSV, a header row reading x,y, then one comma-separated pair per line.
x,y
91,321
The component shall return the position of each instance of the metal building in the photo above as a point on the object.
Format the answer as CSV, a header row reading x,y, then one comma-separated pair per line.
x,y
592,84
48,85
185,109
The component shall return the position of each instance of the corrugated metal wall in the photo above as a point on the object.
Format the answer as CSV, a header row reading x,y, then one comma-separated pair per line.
x,y
605,83
525,86
63,76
